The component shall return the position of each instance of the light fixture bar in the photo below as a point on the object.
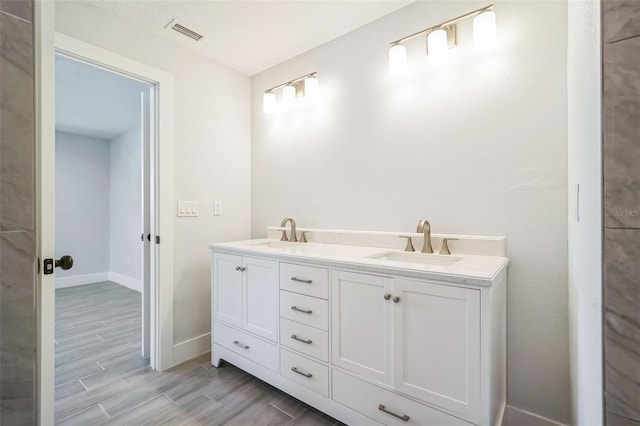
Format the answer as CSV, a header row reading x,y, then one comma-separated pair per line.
x,y
441,25
292,82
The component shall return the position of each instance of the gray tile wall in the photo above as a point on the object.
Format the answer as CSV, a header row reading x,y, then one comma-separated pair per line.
x,y
621,152
17,225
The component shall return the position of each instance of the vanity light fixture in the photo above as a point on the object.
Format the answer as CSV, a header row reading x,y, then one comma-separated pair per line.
x,y
288,94
306,85
311,86
397,59
269,102
437,43
484,29
442,37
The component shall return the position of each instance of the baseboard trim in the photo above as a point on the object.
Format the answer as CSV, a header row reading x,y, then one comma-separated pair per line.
x,y
83,279
98,277
191,348
517,417
500,417
126,281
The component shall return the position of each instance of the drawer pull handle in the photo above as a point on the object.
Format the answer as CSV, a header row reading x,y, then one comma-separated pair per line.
x,y
404,417
307,375
307,341
301,281
241,345
304,311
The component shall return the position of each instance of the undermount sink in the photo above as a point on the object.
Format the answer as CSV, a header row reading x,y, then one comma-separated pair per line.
x,y
275,244
420,258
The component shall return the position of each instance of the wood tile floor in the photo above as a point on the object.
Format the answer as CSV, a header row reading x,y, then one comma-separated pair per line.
x,y
102,379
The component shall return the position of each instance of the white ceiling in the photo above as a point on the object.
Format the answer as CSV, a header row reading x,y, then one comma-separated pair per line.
x,y
252,35
94,102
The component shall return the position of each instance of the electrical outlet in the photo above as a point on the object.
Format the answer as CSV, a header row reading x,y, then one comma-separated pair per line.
x,y
217,208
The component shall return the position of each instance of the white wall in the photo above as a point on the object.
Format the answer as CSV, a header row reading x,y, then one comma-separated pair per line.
x,y
125,208
585,236
477,146
211,149
82,204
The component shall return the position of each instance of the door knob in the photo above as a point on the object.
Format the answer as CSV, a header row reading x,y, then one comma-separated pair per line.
x,y
65,262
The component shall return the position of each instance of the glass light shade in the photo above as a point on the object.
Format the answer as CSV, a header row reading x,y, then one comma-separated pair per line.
x,y
310,87
397,59
288,94
437,43
269,102
484,29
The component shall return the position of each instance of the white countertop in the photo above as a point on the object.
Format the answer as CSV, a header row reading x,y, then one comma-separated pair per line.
x,y
467,269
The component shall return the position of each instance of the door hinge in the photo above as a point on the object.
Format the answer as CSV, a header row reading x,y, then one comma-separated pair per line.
x,y
157,239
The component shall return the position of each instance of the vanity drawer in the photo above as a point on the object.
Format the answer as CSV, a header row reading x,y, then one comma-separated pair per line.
x,y
371,400
308,340
305,309
305,372
307,280
257,350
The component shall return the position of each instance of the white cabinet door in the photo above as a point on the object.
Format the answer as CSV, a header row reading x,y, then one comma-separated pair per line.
x,y
261,304
227,288
361,325
437,344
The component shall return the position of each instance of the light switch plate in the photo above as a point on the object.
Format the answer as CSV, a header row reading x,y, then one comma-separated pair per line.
x,y
188,208
217,208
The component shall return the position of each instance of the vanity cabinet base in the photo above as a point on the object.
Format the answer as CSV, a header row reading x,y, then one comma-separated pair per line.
x,y
364,348
308,396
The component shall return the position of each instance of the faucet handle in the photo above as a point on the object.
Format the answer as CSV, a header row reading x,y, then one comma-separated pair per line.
x,y
284,235
409,246
303,237
445,245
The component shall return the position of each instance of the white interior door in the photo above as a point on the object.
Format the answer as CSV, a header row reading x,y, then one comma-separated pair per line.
x,y
46,201
146,224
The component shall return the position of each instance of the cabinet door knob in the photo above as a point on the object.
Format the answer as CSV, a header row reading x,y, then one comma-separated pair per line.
x,y
396,299
387,296
240,268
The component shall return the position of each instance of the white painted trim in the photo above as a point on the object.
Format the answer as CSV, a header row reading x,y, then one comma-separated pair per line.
x,y
125,281
44,68
500,418
162,290
518,417
191,348
75,280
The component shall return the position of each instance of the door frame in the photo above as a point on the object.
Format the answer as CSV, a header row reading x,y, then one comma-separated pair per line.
x,y
48,44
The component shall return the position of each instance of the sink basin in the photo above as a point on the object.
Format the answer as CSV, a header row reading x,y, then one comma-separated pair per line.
x,y
275,244
419,258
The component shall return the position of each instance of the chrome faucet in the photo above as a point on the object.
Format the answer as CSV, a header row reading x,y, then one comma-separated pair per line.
x,y
293,237
425,227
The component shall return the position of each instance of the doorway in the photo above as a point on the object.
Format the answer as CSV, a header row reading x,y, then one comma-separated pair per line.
x,y
159,173
102,215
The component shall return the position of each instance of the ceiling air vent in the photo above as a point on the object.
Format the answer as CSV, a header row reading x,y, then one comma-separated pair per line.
x,y
186,31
